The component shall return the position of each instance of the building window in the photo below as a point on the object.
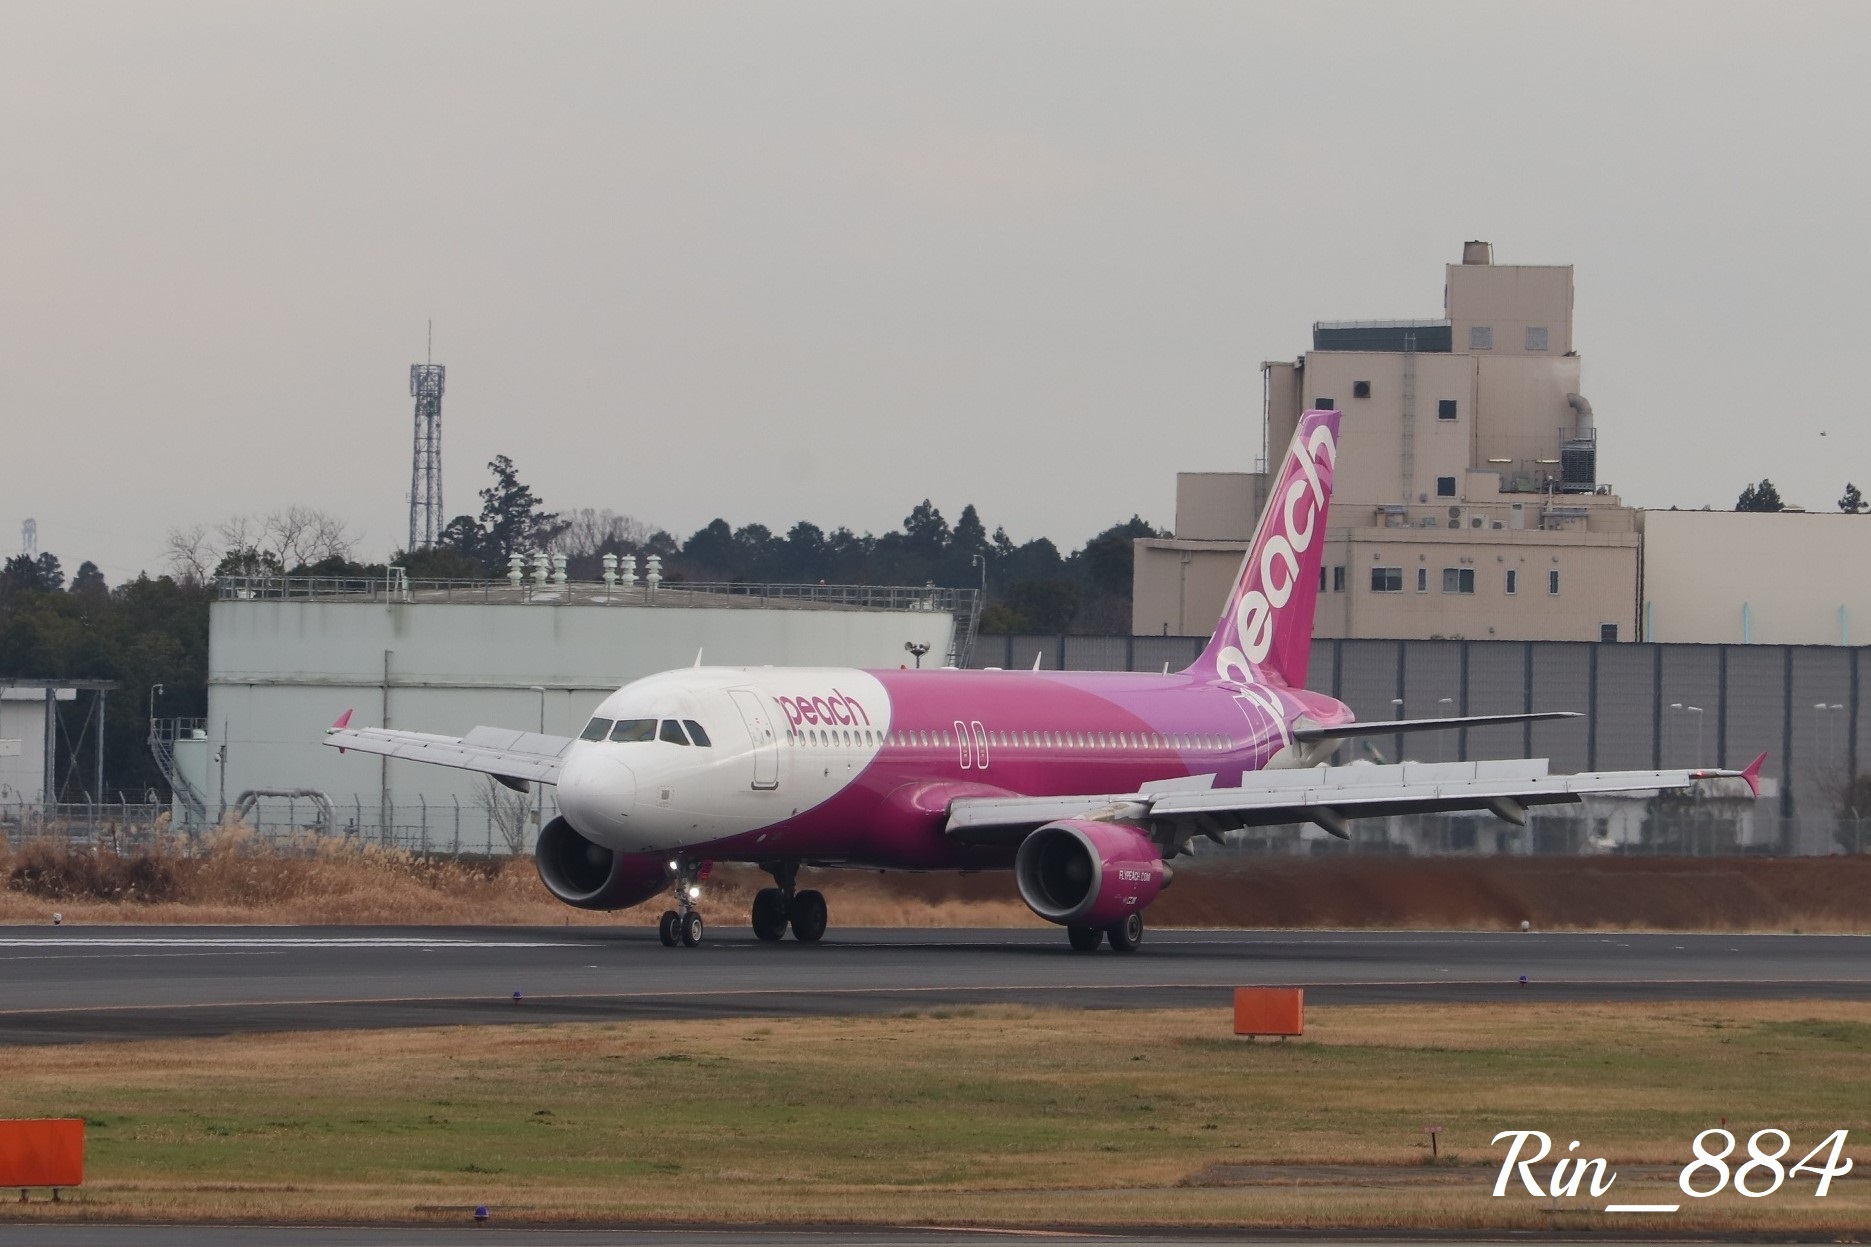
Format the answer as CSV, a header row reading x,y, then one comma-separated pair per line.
x,y
1480,338
1608,632
1445,487
1536,337
1386,580
1361,389
1338,579
1445,409
1458,580
1552,582
1513,581
1325,404
1321,578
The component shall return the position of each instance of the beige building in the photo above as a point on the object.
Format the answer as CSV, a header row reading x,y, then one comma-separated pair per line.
x,y
1467,502
1761,578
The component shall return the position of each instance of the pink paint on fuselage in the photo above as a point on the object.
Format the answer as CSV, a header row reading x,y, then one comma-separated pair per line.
x,y
1040,734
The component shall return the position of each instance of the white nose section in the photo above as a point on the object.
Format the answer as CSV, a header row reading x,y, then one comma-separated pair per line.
x,y
597,794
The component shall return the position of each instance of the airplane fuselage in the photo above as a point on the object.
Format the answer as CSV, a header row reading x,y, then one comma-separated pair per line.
x,y
841,765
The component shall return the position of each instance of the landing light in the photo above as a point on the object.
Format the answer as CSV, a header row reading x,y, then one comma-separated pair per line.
x,y
694,892
675,865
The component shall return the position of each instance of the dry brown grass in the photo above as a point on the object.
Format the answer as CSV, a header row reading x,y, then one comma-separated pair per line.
x,y
961,1116
231,877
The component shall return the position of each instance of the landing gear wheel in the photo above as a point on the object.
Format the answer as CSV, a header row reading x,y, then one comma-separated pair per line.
x,y
1126,935
808,916
1085,939
690,927
770,914
666,928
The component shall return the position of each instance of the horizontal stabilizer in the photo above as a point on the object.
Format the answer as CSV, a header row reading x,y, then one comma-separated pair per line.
x,y
1384,727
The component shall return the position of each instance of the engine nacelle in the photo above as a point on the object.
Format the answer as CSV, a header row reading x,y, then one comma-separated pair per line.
x,y
590,876
1080,873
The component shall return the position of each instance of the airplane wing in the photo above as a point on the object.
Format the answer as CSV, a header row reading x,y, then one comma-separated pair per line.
x,y
514,758
1326,796
1385,727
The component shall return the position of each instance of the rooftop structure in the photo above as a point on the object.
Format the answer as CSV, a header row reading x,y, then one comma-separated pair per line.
x,y
1467,501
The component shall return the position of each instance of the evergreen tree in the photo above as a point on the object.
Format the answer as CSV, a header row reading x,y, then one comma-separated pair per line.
x,y
1853,502
1761,497
89,582
513,519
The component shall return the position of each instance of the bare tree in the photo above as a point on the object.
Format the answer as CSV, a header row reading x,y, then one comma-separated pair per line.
x,y
276,542
299,535
506,813
589,531
189,554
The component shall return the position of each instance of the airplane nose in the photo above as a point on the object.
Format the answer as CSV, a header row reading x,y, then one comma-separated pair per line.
x,y
597,793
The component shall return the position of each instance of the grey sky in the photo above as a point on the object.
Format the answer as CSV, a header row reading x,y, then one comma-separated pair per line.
x,y
817,261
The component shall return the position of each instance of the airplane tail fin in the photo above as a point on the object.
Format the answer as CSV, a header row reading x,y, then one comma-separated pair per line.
x,y
1265,633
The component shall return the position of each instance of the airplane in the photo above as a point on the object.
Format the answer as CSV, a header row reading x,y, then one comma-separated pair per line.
x,y
1083,784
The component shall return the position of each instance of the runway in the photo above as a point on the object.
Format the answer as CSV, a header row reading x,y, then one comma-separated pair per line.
x,y
66,984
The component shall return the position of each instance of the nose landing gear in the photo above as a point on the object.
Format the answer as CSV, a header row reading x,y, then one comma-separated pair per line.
x,y
682,925
777,908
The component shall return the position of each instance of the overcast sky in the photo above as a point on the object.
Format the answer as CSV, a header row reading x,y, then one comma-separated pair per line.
x,y
818,261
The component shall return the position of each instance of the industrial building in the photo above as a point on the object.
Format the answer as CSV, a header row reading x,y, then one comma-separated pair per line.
x,y
1467,503
287,656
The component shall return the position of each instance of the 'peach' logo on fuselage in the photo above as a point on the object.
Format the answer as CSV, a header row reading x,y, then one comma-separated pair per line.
x,y
839,708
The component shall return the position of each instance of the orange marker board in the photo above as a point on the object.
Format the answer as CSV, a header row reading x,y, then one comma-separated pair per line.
x,y
1269,1011
47,1151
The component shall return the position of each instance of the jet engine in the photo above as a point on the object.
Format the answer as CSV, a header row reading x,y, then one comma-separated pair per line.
x,y
590,876
1082,873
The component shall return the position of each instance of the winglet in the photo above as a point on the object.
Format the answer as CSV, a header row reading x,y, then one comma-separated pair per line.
x,y
1752,774
343,720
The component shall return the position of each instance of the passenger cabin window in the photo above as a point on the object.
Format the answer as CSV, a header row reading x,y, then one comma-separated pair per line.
x,y
696,733
631,730
672,733
597,729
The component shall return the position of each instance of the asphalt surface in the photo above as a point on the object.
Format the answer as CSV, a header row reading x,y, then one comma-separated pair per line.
x,y
67,984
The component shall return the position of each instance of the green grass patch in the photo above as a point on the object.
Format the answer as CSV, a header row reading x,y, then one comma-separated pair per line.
x,y
986,1115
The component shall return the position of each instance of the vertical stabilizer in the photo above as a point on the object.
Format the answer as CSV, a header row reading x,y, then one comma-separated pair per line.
x,y
1265,633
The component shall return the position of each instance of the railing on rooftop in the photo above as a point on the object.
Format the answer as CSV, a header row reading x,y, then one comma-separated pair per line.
x,y
596,593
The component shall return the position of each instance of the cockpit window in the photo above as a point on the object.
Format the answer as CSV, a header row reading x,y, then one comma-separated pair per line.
x,y
672,733
629,730
696,733
597,729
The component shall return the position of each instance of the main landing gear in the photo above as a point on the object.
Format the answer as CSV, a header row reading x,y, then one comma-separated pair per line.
x,y
682,925
1124,935
776,908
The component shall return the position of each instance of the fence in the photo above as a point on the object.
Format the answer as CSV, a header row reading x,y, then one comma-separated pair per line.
x,y
504,825
1645,706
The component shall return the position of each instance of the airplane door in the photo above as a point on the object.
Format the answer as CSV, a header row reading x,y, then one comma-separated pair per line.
x,y
766,745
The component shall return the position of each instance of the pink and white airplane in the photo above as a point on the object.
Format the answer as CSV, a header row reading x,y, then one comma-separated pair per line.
x,y
1082,783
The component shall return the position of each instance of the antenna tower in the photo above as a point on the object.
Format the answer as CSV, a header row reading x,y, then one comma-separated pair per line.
x,y
425,478
29,539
